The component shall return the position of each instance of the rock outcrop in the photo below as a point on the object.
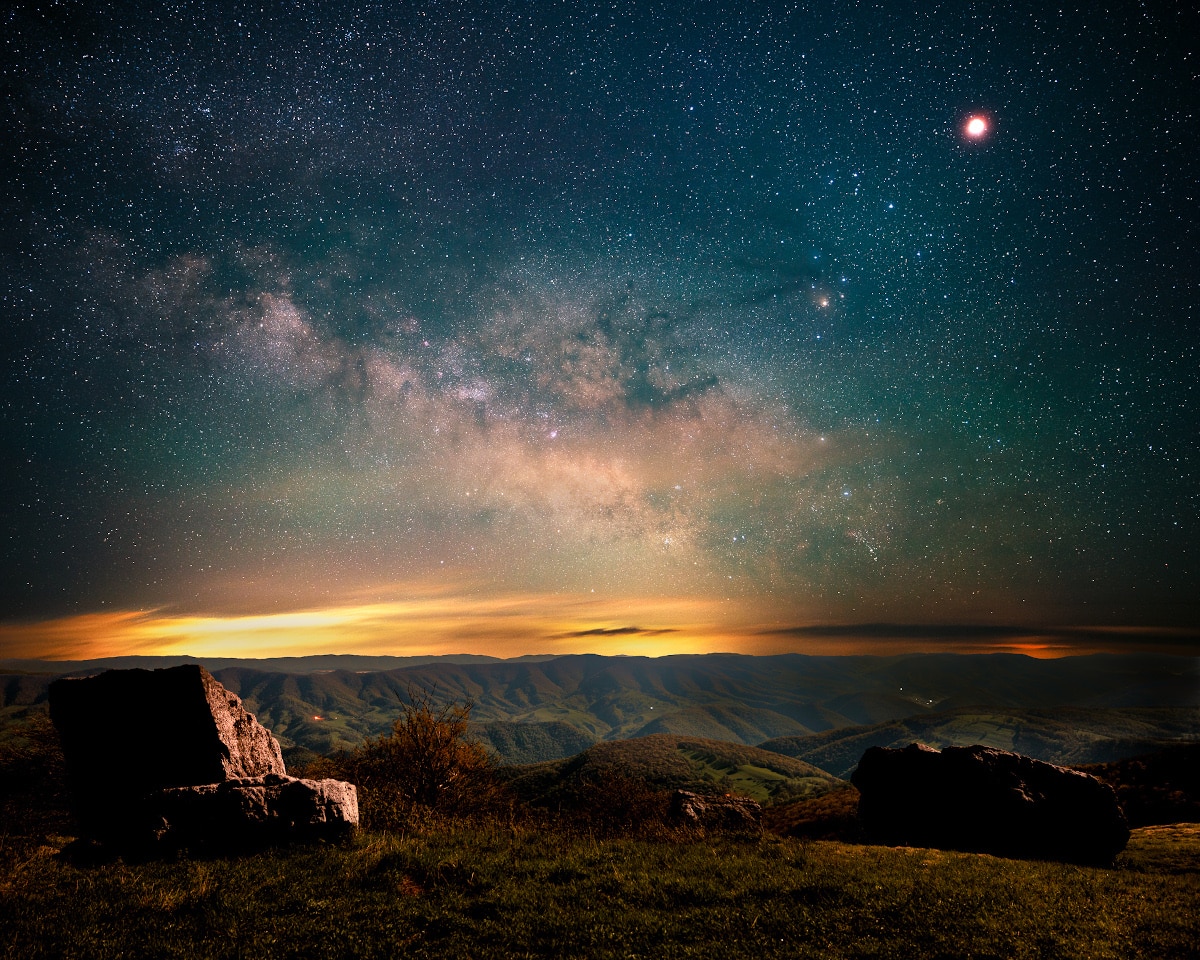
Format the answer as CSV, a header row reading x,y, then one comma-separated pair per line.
x,y
132,737
252,810
715,812
990,801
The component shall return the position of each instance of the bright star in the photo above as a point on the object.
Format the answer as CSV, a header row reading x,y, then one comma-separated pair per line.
x,y
976,127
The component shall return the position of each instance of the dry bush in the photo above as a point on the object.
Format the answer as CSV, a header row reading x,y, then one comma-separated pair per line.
x,y
426,767
832,816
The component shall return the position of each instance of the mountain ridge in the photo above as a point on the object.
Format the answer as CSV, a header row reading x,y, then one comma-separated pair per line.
x,y
737,698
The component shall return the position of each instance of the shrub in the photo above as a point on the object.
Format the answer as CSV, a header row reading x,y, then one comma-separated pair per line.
x,y
427,765
832,816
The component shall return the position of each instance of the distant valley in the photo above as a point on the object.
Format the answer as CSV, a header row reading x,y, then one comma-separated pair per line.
x,y
823,710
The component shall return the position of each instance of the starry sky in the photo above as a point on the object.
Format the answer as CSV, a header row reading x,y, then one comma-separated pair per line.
x,y
598,326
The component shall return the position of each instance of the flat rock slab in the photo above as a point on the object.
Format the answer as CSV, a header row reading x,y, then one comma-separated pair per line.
x,y
989,801
127,733
251,811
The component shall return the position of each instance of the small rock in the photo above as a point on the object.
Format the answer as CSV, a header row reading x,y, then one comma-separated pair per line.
x,y
715,812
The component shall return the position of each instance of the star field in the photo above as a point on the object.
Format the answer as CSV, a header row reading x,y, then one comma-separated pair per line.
x,y
717,319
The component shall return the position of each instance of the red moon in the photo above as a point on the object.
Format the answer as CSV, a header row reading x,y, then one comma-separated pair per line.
x,y
976,127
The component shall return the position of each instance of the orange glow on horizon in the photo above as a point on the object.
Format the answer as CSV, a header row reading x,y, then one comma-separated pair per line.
x,y
437,622
497,626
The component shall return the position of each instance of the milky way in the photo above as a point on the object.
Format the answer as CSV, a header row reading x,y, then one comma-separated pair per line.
x,y
518,326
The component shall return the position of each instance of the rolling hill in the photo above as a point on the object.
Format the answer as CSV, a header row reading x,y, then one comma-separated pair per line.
x,y
665,761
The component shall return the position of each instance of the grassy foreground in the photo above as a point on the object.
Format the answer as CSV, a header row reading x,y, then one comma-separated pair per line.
x,y
467,892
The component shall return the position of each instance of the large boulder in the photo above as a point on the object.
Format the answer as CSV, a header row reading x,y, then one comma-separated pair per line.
x,y
990,801
250,811
737,814
130,736
161,728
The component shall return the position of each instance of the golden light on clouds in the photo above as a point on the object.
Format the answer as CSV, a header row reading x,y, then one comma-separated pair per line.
x,y
503,626
434,620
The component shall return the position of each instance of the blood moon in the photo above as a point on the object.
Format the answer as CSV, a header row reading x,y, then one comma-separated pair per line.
x,y
976,127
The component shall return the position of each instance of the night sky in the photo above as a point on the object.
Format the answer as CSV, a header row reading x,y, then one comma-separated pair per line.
x,y
623,327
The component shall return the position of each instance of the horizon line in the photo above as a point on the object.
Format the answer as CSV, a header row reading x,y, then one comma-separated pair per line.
x,y
512,628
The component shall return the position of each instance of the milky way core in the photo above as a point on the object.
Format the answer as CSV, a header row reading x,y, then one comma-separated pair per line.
x,y
480,327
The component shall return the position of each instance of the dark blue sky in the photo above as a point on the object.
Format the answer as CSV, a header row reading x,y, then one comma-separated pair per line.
x,y
710,306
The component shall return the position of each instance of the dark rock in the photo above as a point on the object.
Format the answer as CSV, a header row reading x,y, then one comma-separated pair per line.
x,y
989,801
251,811
128,733
715,812
174,727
